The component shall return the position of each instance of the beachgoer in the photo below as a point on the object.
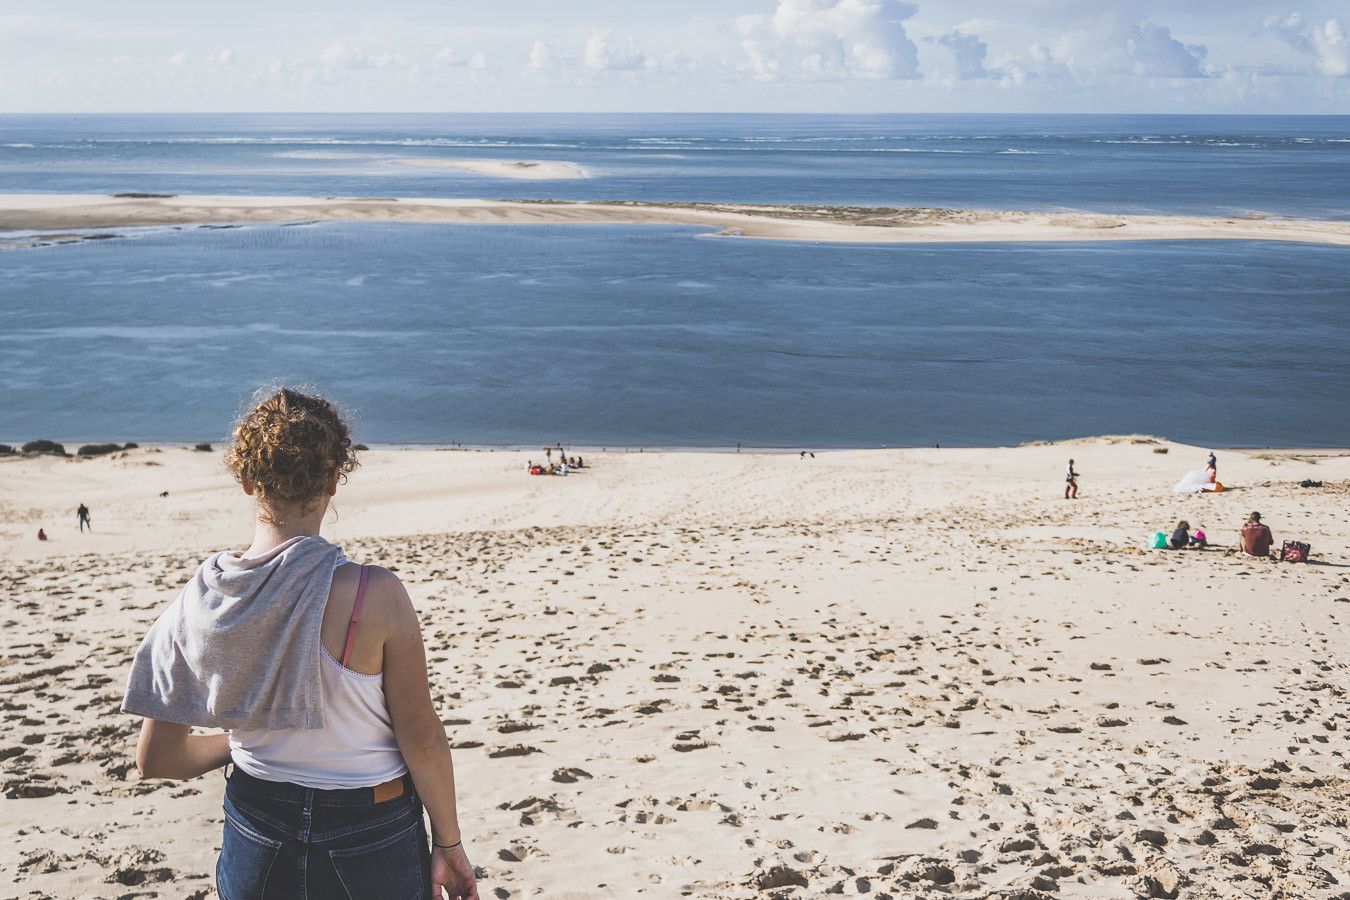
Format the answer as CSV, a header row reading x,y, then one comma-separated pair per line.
x,y
1212,464
1181,537
82,514
1070,483
42,535
1255,537
580,464
316,666
529,465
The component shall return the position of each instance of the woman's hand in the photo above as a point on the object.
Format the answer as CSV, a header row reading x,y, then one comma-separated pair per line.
x,y
452,873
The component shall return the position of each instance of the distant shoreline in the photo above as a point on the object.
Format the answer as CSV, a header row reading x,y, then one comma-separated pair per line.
x,y
64,213
219,444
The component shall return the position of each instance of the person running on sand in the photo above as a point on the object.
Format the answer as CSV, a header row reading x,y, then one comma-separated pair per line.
x,y
1070,483
82,514
1255,537
316,666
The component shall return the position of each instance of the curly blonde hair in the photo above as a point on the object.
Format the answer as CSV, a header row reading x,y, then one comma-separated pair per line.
x,y
288,445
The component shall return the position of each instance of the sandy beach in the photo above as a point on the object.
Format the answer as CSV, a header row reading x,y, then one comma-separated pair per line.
x,y
840,224
892,673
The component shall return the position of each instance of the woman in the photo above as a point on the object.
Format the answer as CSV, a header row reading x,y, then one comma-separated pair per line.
x,y
316,667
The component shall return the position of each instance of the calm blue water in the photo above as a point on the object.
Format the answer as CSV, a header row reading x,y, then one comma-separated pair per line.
x,y
1192,164
612,335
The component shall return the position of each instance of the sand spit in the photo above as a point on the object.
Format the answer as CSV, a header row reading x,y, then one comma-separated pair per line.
x,y
909,673
524,169
798,223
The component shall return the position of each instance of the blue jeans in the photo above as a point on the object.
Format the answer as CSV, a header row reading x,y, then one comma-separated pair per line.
x,y
287,842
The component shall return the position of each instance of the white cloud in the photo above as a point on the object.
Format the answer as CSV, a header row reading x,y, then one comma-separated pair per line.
x,y
1118,47
178,58
1327,44
543,58
222,57
605,53
968,52
1154,52
339,55
830,40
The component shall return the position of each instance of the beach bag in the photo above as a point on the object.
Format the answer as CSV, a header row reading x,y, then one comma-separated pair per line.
x,y
1295,551
1159,541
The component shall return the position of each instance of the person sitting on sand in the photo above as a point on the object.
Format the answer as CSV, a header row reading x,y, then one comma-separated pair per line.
x,y
316,666
1182,539
82,515
1070,483
1255,537
42,535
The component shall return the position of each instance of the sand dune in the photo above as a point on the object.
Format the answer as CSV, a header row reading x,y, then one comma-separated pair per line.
x,y
800,223
912,672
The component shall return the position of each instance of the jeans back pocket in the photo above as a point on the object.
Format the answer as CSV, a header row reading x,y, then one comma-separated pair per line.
x,y
246,859
392,868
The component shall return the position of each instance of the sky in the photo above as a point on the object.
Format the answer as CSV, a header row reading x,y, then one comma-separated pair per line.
x,y
859,56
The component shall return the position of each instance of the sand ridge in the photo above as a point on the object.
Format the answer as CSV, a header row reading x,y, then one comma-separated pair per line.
x,y
912,672
45,212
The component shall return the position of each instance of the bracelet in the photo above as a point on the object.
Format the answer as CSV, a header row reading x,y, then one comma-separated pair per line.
x,y
447,846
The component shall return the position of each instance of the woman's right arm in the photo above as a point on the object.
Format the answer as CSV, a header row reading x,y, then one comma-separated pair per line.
x,y
421,738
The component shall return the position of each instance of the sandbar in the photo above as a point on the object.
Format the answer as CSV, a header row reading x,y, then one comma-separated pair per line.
x,y
823,224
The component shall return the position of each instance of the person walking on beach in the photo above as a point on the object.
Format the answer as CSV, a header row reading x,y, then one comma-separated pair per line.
x,y
82,514
316,667
1070,483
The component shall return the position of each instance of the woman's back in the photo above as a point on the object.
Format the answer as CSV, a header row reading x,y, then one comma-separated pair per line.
x,y
356,746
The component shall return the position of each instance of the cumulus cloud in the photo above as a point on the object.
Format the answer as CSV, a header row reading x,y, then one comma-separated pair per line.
x,y
1153,51
830,40
178,58
543,58
968,52
606,53
1327,44
222,57
339,55
1119,47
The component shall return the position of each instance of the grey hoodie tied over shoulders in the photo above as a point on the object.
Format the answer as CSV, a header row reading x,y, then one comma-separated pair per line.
x,y
239,647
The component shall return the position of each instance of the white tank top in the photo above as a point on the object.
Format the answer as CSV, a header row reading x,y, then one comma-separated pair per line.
x,y
355,748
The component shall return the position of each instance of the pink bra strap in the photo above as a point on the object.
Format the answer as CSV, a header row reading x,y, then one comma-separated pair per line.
x,y
356,615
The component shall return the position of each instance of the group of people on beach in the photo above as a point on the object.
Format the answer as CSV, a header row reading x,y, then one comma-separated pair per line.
x,y
564,464
1255,539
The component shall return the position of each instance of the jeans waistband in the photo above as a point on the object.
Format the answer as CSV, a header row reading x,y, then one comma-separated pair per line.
x,y
287,792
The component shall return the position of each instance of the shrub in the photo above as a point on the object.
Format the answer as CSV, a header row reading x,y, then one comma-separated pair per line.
x,y
97,449
50,448
203,448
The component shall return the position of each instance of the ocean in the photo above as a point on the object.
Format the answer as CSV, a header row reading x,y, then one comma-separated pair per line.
x,y
662,336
